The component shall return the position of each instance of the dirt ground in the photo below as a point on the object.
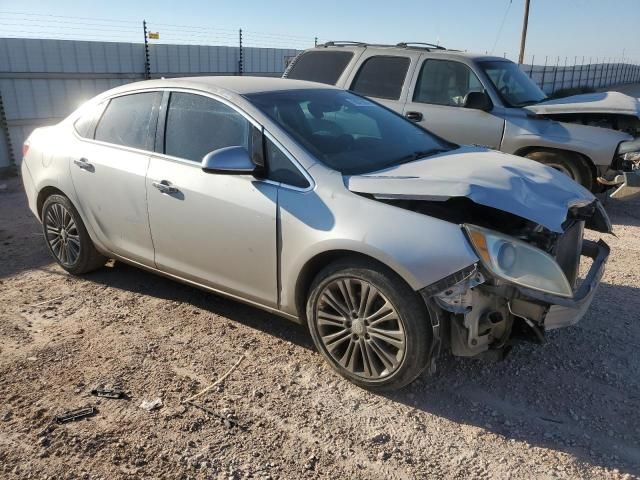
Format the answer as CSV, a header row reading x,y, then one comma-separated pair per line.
x,y
566,409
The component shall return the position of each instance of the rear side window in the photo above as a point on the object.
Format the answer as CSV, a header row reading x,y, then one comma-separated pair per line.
x,y
281,169
381,77
197,125
86,123
444,82
320,66
127,120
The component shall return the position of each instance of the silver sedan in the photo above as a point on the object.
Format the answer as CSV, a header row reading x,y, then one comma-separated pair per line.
x,y
317,204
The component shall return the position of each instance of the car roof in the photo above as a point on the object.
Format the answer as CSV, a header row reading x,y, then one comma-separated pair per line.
x,y
240,85
403,47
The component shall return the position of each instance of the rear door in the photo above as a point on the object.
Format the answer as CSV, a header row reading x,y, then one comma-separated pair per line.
x,y
216,230
436,100
384,77
108,170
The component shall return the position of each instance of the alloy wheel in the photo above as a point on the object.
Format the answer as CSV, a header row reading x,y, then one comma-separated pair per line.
x,y
360,328
62,234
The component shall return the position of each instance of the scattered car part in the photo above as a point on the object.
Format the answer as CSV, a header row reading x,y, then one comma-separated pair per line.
x,y
74,415
150,405
105,392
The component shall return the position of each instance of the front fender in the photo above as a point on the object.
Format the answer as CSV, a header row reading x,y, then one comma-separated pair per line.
x,y
421,249
596,143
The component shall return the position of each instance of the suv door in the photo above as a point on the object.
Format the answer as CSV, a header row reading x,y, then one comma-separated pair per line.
x,y
108,170
436,101
384,77
215,230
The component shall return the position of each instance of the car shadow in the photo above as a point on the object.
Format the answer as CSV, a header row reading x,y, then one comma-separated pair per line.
x,y
132,279
577,393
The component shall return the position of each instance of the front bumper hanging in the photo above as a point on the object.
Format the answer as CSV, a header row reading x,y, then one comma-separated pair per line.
x,y
564,312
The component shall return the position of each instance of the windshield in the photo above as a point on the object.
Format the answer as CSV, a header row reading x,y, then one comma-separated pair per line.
x,y
514,86
346,132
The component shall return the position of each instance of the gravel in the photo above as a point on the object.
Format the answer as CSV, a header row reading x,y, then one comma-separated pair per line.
x,y
565,409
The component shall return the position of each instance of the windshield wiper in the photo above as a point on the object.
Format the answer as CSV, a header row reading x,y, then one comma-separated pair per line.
x,y
417,155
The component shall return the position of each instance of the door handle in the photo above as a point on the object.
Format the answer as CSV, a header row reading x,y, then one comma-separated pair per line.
x,y
165,187
414,116
84,164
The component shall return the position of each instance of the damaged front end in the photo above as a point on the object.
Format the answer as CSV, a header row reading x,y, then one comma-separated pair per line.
x,y
624,175
517,290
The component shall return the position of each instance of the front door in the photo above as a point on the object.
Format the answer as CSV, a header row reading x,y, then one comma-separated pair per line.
x,y
436,102
216,230
108,171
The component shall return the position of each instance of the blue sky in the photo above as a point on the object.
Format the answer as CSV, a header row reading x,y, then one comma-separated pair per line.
x,y
562,28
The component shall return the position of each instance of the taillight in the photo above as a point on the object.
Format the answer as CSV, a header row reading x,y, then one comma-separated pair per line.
x,y
25,149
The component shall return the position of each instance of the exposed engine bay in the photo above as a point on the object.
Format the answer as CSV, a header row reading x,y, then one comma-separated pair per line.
x,y
624,123
483,310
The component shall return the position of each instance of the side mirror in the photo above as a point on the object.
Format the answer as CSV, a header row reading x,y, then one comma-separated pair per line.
x,y
229,161
478,101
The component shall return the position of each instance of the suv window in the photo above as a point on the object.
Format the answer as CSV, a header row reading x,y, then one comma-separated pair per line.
x,y
281,169
381,77
197,125
323,67
444,82
126,120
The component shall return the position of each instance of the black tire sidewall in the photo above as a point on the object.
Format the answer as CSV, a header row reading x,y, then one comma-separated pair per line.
x,y
411,310
580,171
88,259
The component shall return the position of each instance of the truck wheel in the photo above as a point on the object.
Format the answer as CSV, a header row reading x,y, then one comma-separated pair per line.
x,y
370,326
67,238
568,163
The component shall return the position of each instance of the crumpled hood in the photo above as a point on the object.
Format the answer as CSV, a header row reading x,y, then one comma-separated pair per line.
x,y
599,102
494,179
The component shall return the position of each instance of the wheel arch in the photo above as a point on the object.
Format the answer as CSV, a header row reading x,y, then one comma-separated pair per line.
x,y
45,193
314,265
588,162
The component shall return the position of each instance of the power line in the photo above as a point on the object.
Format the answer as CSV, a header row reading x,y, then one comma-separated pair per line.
x,y
504,18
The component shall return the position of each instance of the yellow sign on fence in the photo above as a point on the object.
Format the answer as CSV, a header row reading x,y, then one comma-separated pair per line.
x,y
154,35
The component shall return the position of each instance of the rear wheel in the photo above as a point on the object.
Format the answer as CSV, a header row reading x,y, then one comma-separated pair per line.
x,y
369,324
67,238
568,163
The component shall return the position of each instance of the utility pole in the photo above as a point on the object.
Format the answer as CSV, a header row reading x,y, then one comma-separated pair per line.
x,y
523,39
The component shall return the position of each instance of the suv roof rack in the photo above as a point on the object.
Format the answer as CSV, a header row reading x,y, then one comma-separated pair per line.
x,y
349,43
426,46
341,43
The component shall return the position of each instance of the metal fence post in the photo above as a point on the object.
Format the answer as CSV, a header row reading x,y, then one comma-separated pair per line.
x,y
595,73
588,72
544,72
580,77
240,65
533,58
315,41
573,70
147,66
4,126
564,72
555,75
606,75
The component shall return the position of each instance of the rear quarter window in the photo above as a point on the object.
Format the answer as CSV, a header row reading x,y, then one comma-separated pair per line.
x,y
381,77
320,66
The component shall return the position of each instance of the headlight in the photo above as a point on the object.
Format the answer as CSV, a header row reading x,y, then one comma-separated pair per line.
x,y
518,262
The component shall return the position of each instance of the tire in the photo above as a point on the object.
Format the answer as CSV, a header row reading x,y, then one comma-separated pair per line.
x,y
376,362
568,163
66,236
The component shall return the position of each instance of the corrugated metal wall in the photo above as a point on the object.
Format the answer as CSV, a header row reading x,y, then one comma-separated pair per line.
x,y
42,81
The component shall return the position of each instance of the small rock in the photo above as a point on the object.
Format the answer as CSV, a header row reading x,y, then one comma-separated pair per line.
x,y
150,405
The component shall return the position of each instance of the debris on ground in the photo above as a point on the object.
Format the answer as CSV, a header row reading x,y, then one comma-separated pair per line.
x,y
106,392
77,414
150,405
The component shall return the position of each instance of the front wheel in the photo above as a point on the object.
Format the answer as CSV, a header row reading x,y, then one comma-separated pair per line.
x,y
370,326
568,163
67,238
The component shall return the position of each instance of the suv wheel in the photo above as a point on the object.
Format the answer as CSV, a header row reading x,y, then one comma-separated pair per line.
x,y
369,324
568,163
67,238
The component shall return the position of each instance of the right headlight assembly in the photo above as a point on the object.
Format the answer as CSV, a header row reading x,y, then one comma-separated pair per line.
x,y
518,262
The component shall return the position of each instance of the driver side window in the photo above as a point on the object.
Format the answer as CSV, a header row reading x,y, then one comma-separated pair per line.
x,y
444,82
